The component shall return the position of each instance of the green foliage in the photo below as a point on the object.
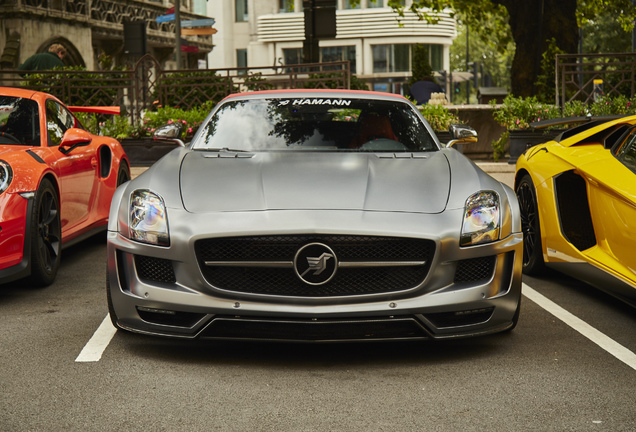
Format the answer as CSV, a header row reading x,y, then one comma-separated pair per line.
x,y
421,68
255,81
518,113
119,127
545,81
331,80
190,119
438,116
187,89
358,84
621,11
75,86
499,146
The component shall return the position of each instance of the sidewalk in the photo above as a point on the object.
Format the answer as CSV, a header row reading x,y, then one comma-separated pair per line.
x,y
502,171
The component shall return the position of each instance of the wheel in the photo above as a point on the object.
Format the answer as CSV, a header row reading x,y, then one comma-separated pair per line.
x,y
46,236
124,174
533,263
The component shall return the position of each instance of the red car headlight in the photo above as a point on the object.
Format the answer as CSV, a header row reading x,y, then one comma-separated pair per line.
x,y
6,175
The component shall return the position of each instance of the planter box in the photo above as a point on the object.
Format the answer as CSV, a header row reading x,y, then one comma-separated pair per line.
x,y
522,139
145,151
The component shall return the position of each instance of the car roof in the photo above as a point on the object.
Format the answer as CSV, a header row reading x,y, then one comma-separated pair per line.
x,y
19,92
308,93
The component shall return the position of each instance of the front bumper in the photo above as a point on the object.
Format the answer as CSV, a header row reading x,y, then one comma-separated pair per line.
x,y
183,304
15,244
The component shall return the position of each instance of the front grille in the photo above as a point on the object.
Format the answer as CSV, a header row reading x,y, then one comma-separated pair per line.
x,y
151,269
475,269
347,281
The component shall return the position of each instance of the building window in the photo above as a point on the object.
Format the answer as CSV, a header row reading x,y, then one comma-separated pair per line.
x,y
343,53
348,5
285,6
241,10
436,56
292,56
397,58
391,58
375,4
241,60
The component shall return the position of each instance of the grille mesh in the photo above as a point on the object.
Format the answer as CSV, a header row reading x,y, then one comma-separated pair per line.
x,y
151,269
475,269
284,282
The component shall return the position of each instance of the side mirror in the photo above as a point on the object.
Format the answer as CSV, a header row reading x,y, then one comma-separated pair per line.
x,y
74,137
169,132
461,134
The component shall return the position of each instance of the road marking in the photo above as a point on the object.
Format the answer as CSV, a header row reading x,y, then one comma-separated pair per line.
x,y
600,339
95,347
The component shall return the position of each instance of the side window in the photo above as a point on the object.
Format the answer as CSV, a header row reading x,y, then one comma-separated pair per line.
x,y
58,121
626,153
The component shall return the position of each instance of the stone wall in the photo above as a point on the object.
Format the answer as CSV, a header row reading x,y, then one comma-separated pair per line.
x,y
35,34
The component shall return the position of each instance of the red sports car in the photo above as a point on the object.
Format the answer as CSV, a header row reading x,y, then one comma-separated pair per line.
x,y
56,182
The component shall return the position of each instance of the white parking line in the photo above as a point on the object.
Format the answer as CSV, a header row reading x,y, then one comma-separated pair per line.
x,y
95,347
600,339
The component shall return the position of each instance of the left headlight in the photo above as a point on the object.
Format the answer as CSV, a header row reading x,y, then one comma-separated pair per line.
x,y
481,219
6,175
148,221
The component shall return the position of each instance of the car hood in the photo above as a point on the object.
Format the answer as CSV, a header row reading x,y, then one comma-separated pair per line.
x,y
226,181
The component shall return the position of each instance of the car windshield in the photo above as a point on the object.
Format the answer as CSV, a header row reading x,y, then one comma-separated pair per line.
x,y
19,121
317,123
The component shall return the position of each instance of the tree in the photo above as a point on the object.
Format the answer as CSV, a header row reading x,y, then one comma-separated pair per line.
x,y
532,23
421,68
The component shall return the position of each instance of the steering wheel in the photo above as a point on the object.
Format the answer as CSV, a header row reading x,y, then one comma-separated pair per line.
x,y
10,137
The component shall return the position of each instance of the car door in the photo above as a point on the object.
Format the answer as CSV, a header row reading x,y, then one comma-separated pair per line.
x,y
613,204
76,169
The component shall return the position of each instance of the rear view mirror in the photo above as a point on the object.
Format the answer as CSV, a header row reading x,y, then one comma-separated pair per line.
x,y
169,132
461,134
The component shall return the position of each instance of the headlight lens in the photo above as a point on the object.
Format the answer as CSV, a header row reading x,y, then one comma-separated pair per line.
x,y
481,219
148,219
6,175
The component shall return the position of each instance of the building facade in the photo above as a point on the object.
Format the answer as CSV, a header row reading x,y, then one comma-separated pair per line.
x,y
271,32
90,28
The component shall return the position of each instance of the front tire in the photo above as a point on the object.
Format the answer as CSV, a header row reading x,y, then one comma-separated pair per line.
x,y
123,175
533,264
46,236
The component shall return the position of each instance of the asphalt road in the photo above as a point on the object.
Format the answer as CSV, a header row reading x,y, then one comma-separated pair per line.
x,y
543,376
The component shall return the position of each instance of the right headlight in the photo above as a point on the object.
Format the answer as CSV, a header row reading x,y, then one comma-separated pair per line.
x,y
481,222
6,175
148,221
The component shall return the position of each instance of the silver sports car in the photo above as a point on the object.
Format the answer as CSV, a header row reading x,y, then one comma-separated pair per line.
x,y
315,216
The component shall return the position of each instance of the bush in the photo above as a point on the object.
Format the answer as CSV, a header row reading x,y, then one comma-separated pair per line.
x,y
518,113
438,116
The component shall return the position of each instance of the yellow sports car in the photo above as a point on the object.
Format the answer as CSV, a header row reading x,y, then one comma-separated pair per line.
x,y
577,195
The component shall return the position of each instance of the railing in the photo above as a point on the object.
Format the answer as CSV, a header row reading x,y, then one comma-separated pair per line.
x,y
147,85
585,76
